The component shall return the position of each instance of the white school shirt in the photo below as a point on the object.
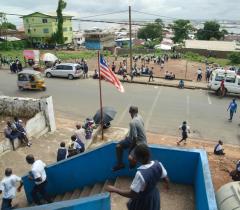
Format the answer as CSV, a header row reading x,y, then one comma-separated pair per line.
x,y
219,147
8,186
138,184
38,170
81,134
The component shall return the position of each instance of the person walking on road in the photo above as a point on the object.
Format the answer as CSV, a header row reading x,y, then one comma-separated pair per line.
x,y
232,108
185,130
38,175
8,188
151,75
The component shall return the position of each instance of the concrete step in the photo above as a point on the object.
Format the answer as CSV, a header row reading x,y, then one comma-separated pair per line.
x,y
86,191
107,182
67,196
58,197
96,189
117,201
76,194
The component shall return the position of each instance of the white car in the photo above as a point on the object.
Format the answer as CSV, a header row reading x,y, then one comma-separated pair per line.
x,y
68,70
231,81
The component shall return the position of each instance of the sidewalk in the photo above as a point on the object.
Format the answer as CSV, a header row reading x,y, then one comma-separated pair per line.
x,y
164,82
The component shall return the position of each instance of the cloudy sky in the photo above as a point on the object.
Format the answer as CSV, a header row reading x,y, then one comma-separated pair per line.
x,y
189,9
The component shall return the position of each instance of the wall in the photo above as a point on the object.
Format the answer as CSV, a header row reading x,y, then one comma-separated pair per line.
x,y
92,45
36,125
28,108
183,166
98,202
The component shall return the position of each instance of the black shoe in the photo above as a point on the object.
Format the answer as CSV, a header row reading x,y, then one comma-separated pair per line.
x,y
118,167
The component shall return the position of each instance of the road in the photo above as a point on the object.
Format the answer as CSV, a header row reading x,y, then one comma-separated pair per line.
x,y
162,108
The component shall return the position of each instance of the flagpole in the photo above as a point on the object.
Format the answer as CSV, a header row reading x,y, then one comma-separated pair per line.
x,y
100,93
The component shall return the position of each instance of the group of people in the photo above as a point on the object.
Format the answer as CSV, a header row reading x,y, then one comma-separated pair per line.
x,y
169,75
84,67
16,130
82,134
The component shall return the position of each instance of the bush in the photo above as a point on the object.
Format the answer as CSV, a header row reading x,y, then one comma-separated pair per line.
x,y
234,57
16,45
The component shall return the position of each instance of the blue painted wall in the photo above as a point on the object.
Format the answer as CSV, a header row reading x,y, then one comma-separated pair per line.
x,y
184,166
93,45
99,202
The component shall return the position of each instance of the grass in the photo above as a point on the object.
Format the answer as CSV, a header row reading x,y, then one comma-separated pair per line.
x,y
63,55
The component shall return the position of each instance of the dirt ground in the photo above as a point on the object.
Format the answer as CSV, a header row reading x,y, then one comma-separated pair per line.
x,y
182,69
218,164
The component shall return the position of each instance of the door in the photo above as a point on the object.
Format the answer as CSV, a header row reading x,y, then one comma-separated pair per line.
x,y
58,71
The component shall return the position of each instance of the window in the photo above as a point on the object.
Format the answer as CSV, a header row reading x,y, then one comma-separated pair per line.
x,y
219,77
27,20
67,68
70,29
230,79
45,30
59,67
34,29
44,20
64,29
78,67
29,31
22,77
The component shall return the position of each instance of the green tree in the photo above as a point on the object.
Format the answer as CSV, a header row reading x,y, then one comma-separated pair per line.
x,y
211,31
152,31
234,57
8,25
181,29
59,35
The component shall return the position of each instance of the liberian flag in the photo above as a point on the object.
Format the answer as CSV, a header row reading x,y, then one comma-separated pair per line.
x,y
107,74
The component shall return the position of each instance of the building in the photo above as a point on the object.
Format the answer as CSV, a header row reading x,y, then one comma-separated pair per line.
x,y
98,40
219,49
78,38
39,27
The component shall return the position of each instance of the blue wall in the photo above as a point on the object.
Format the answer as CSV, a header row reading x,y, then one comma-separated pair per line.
x,y
93,45
99,202
184,166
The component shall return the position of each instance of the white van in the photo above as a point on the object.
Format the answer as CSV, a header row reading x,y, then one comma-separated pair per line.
x,y
231,81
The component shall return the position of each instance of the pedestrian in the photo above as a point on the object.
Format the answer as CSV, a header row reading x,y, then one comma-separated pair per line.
x,y
8,188
62,152
208,74
39,176
218,149
235,174
232,108
80,133
135,136
222,88
181,84
125,76
11,133
22,133
85,70
113,67
199,74
185,129
151,75
143,192
77,144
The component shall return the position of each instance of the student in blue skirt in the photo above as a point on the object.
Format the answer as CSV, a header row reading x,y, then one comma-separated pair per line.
x,y
143,192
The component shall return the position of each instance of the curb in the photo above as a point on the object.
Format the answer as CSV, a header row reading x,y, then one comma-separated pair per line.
x,y
163,84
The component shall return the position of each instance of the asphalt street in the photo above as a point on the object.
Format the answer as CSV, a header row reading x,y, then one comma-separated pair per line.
x,y
162,108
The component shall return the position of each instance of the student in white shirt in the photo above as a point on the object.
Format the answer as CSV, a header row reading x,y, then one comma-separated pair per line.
x,y
38,175
143,192
80,133
218,150
8,188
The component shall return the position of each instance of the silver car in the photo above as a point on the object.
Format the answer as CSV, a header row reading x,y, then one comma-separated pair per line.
x,y
68,70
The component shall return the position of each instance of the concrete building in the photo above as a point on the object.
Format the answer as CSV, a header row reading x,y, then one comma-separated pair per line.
x,y
78,38
39,27
218,49
97,40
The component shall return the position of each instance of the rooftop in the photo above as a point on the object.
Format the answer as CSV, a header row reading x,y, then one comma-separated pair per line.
x,y
212,45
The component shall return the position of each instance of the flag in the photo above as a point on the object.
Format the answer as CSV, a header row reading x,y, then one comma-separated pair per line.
x,y
108,75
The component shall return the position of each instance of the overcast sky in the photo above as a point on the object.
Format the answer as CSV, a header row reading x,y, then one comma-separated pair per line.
x,y
189,9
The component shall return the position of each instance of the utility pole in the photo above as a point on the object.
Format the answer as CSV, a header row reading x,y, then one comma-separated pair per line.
x,y
130,36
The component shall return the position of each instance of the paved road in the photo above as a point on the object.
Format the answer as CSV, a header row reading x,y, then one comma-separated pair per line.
x,y
162,108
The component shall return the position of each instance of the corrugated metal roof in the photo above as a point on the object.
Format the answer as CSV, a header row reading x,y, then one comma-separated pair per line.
x,y
212,45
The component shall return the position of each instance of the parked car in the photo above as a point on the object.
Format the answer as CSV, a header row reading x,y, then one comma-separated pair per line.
x,y
68,70
231,81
